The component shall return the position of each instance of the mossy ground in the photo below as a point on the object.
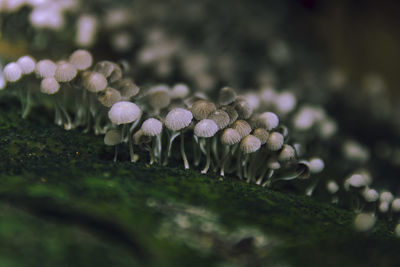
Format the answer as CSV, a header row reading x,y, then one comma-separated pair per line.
x,y
64,202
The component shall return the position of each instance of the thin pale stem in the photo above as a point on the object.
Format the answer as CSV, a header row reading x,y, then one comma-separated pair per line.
x,y
208,155
185,161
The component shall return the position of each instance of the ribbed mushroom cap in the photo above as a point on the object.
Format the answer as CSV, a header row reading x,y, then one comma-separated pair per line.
x,y
261,134
109,97
49,86
250,144
178,118
140,138
226,96
231,111
267,120
206,128
45,68
159,97
27,64
230,137
243,108
124,112
127,88
287,153
94,82
179,91
242,127
201,109
65,72
273,164
81,59
12,72
221,118
275,141
112,138
151,127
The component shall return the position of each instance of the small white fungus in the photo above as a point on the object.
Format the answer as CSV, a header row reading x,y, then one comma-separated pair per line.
x,y
12,72
95,82
49,86
230,137
124,112
250,144
268,120
178,118
81,59
27,64
45,68
205,128
275,141
332,187
151,127
65,72
364,222
316,165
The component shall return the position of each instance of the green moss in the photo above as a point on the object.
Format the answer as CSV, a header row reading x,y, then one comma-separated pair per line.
x,y
63,193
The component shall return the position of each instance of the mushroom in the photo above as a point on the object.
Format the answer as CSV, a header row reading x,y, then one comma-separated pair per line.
x,y
65,72
113,138
27,64
153,128
81,59
45,68
205,129
12,72
229,138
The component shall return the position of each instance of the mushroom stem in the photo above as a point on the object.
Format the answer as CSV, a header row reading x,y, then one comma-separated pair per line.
x,y
185,161
26,107
268,180
239,164
169,146
116,153
208,155
67,123
196,151
225,158
215,149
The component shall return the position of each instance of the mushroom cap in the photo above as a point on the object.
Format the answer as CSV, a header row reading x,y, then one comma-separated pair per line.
x,y
273,164
12,72
267,120
127,88
221,118
201,109
355,180
396,205
230,137
27,64
242,127
45,68
124,112
332,186
384,206
370,195
104,67
364,222
316,165
151,127
81,59
159,97
49,86
178,118
386,196
226,96
112,138
206,128
65,72
285,102
250,144
179,91
287,153
231,111
275,141
140,138
94,82
243,108
261,134
109,97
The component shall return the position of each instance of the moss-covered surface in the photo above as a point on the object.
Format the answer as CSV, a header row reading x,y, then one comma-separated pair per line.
x,y
63,202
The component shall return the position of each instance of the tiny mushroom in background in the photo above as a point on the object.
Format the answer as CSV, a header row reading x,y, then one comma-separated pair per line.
x,y
153,128
205,129
12,72
113,138
27,64
81,59
45,68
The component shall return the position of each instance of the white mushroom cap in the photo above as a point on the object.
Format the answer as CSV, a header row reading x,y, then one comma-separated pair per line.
x,y
242,127
273,164
267,120
159,97
275,141
105,67
127,88
12,72
316,165
252,99
112,138
355,180
332,186
221,118
230,137
386,196
364,222
81,59
45,68
178,118
86,30
226,96
124,112
179,91
285,102
396,205
261,134
370,195
65,72
287,153
384,207
151,127
49,86
250,144
201,109
27,64
243,108
109,97
231,111
206,128
140,138
94,82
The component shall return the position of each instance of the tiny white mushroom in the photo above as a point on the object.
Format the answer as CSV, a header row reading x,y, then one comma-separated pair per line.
x,y
287,153
250,144
221,118
267,120
242,127
332,187
49,86
81,59
45,68
27,64
201,109
113,138
153,127
179,91
109,97
275,141
65,72
12,72
206,128
124,112
316,165
94,82
364,222
226,96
